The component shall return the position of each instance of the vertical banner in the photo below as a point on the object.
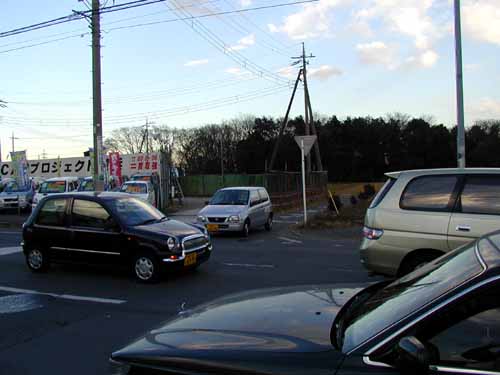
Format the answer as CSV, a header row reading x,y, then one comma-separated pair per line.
x,y
115,167
20,167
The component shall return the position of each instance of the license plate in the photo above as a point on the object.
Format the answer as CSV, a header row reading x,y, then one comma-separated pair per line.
x,y
190,259
212,227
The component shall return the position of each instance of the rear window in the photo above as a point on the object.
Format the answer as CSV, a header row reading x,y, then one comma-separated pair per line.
x,y
429,193
481,195
53,187
383,192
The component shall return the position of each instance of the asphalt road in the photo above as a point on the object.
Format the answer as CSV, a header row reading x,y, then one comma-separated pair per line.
x,y
69,320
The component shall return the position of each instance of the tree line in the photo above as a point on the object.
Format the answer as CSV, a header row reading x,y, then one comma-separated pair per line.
x,y
352,149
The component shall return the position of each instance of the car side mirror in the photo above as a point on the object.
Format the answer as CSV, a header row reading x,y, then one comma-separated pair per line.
x,y
412,357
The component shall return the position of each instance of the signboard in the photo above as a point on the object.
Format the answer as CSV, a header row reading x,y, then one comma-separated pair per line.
x,y
20,167
308,142
82,166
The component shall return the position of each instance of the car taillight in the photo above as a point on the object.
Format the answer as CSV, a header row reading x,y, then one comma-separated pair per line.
x,y
372,234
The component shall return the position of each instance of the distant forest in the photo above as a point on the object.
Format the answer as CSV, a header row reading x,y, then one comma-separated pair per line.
x,y
352,149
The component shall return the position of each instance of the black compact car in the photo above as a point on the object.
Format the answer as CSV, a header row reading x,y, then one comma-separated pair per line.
x,y
443,318
114,229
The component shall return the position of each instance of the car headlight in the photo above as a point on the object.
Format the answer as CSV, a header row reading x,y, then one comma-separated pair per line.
x,y
171,243
234,219
202,218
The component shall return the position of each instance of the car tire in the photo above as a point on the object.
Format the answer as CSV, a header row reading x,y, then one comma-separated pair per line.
x,y
246,229
146,268
414,262
269,223
37,260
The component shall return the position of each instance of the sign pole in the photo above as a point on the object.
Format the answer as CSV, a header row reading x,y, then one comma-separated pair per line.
x,y
303,179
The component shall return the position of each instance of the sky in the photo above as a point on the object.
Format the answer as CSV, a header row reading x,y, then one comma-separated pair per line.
x,y
372,58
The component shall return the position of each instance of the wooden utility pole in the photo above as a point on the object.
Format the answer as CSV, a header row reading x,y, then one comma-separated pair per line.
x,y
96,90
283,125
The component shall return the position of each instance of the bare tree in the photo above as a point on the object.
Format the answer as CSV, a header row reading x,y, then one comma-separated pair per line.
x,y
126,140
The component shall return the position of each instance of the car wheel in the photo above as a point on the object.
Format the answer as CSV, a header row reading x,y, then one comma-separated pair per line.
x,y
246,229
415,262
37,260
269,223
146,268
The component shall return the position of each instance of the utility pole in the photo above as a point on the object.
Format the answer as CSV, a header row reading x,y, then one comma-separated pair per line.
x,y
460,89
96,89
147,136
221,160
13,138
307,129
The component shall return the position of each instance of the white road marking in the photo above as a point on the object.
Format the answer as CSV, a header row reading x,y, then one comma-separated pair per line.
x,y
249,265
63,296
286,221
289,240
10,250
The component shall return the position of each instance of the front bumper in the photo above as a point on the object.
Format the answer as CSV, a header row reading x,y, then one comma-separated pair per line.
x,y
202,255
224,227
14,204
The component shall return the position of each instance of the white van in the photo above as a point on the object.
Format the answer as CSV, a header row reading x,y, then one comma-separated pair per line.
x,y
140,189
56,185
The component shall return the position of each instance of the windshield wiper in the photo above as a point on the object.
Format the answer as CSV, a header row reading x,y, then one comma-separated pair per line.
x,y
146,222
164,218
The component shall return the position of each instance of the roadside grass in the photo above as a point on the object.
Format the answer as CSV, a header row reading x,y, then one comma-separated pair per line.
x,y
349,216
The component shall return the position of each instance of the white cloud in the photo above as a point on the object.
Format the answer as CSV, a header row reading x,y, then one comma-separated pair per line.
x,y
481,20
426,59
472,67
486,108
377,53
239,72
243,43
312,21
410,17
245,3
196,62
289,72
324,72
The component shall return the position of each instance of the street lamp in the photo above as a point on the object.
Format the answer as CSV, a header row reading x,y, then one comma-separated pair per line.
x,y
460,89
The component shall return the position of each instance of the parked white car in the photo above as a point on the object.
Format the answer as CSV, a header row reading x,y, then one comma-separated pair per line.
x,y
140,189
56,185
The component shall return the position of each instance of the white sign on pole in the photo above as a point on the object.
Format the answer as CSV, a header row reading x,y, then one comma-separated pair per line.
x,y
308,142
305,143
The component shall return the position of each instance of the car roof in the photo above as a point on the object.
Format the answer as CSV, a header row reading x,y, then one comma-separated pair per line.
x,y
244,188
137,182
91,194
61,179
417,172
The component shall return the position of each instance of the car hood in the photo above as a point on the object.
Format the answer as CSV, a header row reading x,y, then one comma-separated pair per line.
x,y
221,210
278,331
167,228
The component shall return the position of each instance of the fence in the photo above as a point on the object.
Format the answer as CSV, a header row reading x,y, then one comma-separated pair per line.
x,y
278,184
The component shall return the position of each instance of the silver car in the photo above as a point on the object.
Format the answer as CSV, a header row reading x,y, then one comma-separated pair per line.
x,y
237,209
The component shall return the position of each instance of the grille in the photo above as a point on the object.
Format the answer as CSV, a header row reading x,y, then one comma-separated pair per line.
x,y
216,219
195,242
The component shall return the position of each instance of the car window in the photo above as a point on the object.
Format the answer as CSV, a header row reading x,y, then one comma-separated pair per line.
x,y
135,188
263,196
132,211
53,187
230,197
481,195
87,185
410,293
432,193
89,214
52,213
254,197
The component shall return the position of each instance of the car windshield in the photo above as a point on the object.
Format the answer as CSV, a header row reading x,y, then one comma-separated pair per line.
x,y
230,197
135,188
13,187
53,187
87,185
407,295
132,211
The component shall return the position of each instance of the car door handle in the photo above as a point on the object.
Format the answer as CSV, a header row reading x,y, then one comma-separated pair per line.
x,y
463,228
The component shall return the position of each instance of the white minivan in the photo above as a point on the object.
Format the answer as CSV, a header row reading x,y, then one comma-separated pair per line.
x,y
56,185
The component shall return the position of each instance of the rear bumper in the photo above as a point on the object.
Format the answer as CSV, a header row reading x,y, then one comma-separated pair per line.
x,y
226,227
379,258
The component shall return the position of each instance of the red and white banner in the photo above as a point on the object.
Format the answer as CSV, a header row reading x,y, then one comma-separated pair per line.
x,y
115,168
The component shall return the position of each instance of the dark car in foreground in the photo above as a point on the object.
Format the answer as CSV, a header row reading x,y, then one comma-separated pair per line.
x,y
443,318
114,229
